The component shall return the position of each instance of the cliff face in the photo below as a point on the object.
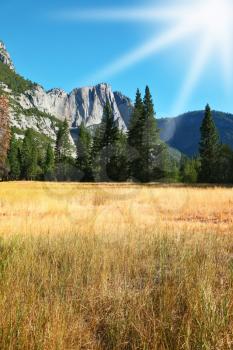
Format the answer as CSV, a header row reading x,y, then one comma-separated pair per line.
x,y
31,106
81,105
34,107
5,57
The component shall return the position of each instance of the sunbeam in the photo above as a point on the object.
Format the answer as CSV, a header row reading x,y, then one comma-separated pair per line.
x,y
212,19
151,47
197,68
226,54
120,15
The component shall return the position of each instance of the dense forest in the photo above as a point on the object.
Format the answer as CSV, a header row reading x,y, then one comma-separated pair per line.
x,y
108,154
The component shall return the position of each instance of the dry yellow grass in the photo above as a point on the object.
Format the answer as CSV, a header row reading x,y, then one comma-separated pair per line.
x,y
86,266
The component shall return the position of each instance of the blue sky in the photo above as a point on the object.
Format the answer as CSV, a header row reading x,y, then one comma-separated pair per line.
x,y
66,53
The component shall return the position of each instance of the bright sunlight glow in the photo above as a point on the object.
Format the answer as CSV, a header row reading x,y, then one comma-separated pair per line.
x,y
214,17
210,21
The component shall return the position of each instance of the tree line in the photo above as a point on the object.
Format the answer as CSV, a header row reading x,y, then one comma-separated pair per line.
x,y
109,154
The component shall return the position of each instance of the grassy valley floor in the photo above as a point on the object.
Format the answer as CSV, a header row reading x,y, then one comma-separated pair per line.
x,y
88,266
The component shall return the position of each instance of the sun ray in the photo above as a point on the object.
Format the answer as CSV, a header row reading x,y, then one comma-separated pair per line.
x,y
213,19
122,14
226,54
153,46
197,68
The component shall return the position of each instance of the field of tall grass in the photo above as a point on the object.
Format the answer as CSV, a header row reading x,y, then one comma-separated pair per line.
x,y
86,266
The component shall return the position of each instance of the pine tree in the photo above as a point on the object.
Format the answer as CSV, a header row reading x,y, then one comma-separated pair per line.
x,y
49,164
135,137
63,153
135,124
117,168
29,157
109,129
84,148
96,153
150,144
14,159
63,149
4,135
209,148
104,141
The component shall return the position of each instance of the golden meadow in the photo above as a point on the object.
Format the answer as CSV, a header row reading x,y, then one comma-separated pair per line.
x,y
88,266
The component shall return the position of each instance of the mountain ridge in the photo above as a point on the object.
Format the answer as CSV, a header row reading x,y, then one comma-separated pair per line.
x,y
83,104
183,132
31,106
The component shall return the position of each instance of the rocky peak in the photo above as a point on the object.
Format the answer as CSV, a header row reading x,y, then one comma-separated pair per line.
x,y
5,57
88,104
124,105
57,92
84,104
80,105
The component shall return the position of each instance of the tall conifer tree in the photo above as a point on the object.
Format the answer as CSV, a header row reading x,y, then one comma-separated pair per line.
x,y
84,148
150,140
49,164
135,124
209,148
63,154
135,138
117,167
29,156
63,145
104,142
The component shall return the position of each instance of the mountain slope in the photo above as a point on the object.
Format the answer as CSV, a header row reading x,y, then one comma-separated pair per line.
x,y
183,132
31,106
5,57
80,105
